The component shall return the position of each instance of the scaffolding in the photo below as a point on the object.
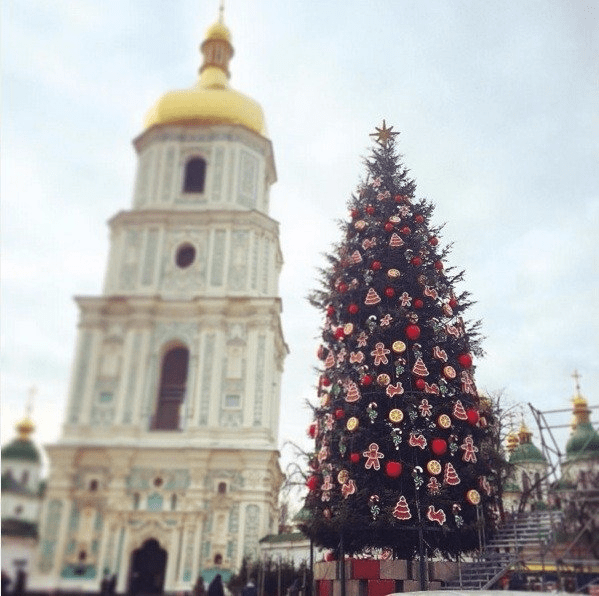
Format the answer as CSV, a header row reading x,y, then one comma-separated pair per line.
x,y
566,553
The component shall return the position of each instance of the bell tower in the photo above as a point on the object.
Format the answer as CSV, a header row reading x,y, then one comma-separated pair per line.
x,y
171,430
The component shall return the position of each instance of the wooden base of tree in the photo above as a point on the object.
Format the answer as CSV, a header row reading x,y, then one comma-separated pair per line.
x,y
371,577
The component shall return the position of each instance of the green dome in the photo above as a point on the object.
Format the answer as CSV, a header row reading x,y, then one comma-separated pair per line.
x,y
527,453
583,442
21,449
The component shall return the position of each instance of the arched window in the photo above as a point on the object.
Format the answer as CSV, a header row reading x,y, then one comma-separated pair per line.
x,y
135,501
173,502
195,175
93,485
218,559
222,488
525,482
25,477
173,381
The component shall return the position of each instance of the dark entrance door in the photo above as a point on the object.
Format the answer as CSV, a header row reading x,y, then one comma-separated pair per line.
x,y
148,566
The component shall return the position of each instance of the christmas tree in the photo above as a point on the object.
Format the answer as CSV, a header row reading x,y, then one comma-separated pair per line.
x,y
401,435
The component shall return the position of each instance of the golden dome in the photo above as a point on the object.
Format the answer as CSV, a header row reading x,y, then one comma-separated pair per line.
x,y
512,441
25,427
211,100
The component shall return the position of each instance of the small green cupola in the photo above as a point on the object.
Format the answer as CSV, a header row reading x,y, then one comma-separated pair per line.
x,y
584,439
22,448
526,452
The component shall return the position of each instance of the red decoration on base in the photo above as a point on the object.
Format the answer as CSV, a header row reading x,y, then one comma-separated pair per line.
x,y
354,458
418,303
353,309
420,384
416,261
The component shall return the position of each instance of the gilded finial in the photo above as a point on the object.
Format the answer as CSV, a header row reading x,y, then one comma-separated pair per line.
x,y
221,12
576,376
25,427
383,134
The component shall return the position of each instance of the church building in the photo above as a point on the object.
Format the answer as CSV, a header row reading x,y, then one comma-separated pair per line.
x,y
167,466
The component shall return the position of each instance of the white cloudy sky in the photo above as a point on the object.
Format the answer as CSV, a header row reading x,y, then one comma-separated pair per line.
x,y
498,107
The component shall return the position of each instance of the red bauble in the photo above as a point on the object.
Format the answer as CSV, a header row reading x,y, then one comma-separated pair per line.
x,y
312,483
375,265
339,333
389,292
342,287
325,381
412,332
438,446
353,309
439,266
416,261
465,360
420,384
453,302
330,310
312,430
393,469
418,303
433,241
388,227
354,458
354,213
398,198
405,231
339,413
419,219
370,209
366,380
472,416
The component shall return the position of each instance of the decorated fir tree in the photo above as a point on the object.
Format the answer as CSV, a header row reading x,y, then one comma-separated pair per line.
x,y
400,433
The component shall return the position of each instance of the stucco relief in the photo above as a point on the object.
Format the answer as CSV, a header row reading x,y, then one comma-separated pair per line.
x,y
175,331
190,280
130,260
238,260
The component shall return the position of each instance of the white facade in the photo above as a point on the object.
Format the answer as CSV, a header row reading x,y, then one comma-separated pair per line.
x,y
172,422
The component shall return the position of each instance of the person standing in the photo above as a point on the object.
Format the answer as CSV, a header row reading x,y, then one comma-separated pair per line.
x,y
216,586
249,589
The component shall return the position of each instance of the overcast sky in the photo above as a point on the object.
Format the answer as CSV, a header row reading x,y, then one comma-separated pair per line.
x,y
497,106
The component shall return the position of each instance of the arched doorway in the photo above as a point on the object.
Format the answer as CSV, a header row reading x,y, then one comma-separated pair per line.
x,y
148,567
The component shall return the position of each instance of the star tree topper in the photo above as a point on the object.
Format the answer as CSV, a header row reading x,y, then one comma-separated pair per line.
x,y
383,134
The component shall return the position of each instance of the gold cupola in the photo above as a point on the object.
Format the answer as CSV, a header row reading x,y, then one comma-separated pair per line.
x,y
211,100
